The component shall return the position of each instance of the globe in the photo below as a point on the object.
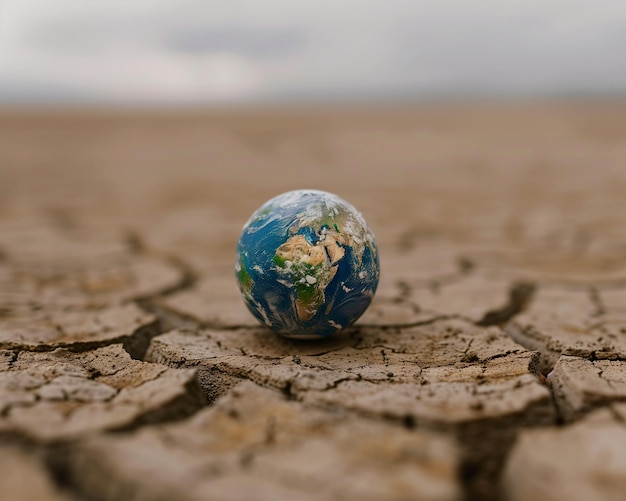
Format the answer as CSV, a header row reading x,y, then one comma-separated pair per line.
x,y
307,264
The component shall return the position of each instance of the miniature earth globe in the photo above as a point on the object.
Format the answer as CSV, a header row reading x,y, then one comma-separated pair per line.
x,y
307,264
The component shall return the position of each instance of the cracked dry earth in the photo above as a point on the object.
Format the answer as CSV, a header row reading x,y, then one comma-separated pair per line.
x,y
491,365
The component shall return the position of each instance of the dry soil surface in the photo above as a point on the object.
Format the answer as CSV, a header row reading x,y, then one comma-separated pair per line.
x,y
491,365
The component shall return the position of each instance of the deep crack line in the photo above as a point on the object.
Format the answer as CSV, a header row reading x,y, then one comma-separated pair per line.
x,y
520,295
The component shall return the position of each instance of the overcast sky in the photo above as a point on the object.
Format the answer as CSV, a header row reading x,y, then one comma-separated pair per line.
x,y
187,51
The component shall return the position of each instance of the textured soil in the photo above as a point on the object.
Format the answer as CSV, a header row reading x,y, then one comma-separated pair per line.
x,y
491,365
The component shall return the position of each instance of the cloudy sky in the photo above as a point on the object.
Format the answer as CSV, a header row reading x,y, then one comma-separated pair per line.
x,y
222,51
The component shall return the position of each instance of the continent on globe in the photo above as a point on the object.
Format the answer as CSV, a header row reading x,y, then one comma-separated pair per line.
x,y
307,264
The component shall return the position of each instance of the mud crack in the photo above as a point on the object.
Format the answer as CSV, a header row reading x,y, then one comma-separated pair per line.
x,y
520,295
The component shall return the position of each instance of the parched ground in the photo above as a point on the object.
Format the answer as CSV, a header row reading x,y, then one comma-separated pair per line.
x,y
492,364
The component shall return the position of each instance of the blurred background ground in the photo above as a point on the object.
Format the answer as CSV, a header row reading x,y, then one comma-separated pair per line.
x,y
487,174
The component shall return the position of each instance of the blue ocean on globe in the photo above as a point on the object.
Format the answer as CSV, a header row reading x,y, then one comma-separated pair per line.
x,y
307,264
